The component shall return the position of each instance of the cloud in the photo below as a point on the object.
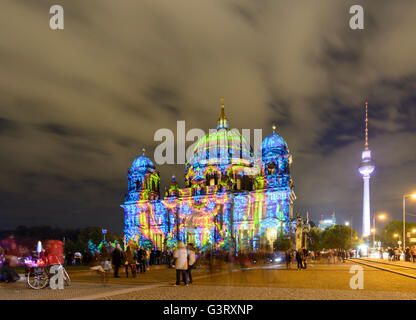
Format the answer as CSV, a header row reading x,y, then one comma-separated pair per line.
x,y
78,105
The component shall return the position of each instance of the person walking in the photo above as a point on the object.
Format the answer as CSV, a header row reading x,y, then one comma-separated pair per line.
x,y
191,260
305,254
117,259
181,263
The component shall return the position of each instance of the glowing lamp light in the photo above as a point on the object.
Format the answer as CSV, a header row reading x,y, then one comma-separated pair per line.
x,y
364,250
413,195
395,235
413,230
373,230
347,223
39,247
381,216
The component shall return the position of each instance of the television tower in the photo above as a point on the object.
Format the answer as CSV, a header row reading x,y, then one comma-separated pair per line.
x,y
366,169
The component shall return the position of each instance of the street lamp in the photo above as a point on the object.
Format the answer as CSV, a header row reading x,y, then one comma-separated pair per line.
x,y
404,217
104,231
381,216
396,235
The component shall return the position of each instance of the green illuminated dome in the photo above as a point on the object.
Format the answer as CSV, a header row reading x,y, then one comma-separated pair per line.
x,y
221,147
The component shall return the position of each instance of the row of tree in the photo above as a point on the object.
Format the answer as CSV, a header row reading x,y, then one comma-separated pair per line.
x,y
334,237
343,237
75,239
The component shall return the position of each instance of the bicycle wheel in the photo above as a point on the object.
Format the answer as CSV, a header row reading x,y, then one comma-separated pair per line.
x,y
37,278
67,279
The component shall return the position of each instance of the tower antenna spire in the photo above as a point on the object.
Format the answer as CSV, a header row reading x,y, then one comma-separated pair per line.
x,y
366,125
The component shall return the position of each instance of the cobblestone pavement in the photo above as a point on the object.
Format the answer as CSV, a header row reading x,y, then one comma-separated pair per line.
x,y
319,281
198,292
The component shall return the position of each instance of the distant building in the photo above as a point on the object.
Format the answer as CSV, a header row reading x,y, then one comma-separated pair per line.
x,y
325,223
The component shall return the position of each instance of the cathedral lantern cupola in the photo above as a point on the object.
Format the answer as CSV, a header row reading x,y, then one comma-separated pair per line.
x,y
173,190
222,120
143,179
276,160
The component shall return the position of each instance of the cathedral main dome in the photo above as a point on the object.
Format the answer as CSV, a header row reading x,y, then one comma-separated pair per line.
x,y
222,147
223,154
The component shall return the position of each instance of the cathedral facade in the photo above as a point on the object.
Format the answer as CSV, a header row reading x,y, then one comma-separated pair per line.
x,y
233,198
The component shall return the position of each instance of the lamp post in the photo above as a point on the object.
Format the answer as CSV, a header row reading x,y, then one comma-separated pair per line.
x,y
380,217
396,235
104,231
404,217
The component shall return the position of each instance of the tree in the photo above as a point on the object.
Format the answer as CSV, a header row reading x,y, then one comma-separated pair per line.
x,y
337,237
282,243
395,227
315,239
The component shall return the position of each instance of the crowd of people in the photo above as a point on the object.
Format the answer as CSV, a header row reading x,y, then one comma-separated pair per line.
x,y
138,260
394,254
134,260
300,256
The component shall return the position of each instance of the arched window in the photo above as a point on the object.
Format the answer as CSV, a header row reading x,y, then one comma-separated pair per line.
x,y
271,168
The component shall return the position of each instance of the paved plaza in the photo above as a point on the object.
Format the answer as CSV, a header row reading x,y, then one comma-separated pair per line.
x,y
319,281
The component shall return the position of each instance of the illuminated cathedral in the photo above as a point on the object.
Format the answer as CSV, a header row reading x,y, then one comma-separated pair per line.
x,y
233,197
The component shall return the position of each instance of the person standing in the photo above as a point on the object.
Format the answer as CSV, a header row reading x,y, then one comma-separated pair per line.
x,y
299,258
181,263
142,257
288,259
191,260
130,262
117,258
147,259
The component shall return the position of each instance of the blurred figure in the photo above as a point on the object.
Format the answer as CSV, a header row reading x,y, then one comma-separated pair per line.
x,y
130,262
105,258
407,254
141,254
7,273
396,254
147,259
191,260
288,258
117,259
77,258
181,263
413,254
305,254
299,258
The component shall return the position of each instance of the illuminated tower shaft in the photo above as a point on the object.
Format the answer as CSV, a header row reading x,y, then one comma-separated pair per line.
x,y
366,169
366,207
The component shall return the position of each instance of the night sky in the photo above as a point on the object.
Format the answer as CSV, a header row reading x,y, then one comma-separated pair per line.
x,y
78,105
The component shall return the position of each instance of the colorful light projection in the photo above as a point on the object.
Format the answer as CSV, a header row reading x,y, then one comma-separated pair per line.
x,y
231,198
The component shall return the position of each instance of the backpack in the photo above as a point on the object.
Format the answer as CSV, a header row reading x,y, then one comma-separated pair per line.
x,y
191,258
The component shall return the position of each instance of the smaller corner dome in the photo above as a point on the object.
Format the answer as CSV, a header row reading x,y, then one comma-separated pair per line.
x,y
274,143
142,163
